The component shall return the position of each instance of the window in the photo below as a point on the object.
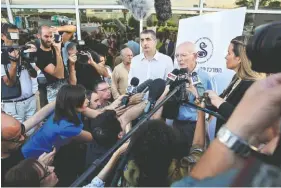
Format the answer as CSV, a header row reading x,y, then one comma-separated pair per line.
x,y
99,2
32,18
4,16
270,4
28,20
185,3
228,4
41,2
254,20
3,1
110,20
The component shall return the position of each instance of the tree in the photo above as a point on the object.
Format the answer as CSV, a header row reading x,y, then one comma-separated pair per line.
x,y
262,3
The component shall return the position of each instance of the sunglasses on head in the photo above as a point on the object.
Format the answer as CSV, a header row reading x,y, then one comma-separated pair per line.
x,y
17,140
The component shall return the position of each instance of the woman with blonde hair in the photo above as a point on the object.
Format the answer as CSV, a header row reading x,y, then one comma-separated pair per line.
x,y
237,61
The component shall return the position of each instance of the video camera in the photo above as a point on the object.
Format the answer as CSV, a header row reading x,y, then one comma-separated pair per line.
x,y
264,48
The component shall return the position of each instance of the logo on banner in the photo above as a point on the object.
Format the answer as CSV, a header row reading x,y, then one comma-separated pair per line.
x,y
205,50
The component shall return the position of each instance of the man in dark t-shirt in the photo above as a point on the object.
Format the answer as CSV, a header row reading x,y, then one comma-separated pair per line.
x,y
49,60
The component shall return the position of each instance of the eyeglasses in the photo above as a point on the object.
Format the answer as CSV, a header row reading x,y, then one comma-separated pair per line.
x,y
17,140
46,173
183,55
105,89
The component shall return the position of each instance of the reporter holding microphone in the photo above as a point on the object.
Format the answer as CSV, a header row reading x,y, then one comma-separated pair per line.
x,y
238,61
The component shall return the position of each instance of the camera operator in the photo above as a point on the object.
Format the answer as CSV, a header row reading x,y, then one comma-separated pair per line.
x,y
66,32
88,71
17,97
50,62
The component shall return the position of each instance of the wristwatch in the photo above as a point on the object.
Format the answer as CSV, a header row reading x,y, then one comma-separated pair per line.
x,y
233,142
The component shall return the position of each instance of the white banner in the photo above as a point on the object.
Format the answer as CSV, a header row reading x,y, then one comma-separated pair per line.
x,y
212,34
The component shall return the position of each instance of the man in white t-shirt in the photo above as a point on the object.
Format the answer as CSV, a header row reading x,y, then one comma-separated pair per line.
x,y
24,106
150,64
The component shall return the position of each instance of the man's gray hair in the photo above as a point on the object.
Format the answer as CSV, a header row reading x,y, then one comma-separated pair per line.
x,y
122,52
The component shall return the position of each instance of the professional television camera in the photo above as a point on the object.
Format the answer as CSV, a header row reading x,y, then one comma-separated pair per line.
x,y
264,48
25,57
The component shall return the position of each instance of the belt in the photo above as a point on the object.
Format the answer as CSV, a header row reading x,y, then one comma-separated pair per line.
x,y
20,100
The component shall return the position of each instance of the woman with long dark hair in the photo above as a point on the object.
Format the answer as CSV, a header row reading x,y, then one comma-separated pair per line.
x,y
64,124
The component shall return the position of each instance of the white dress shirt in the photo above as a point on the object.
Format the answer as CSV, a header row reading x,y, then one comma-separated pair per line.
x,y
143,69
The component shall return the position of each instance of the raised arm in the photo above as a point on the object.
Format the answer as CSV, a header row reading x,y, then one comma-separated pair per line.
x,y
39,116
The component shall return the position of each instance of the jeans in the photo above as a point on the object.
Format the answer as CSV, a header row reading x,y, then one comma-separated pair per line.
x,y
53,89
21,110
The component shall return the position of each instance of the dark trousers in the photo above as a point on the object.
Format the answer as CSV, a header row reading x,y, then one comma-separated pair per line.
x,y
185,131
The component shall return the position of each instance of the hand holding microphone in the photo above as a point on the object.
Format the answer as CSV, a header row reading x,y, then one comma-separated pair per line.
x,y
215,99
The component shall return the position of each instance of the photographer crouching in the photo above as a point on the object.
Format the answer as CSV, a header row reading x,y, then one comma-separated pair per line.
x,y
17,97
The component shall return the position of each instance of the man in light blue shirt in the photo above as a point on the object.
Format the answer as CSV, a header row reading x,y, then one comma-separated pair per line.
x,y
186,56
134,46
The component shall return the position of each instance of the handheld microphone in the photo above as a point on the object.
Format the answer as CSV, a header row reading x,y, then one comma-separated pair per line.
x,y
172,76
130,91
143,88
156,89
195,80
134,83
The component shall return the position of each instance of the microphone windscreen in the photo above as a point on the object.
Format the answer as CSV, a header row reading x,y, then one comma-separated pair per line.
x,y
176,72
143,86
156,89
140,9
163,10
182,71
134,82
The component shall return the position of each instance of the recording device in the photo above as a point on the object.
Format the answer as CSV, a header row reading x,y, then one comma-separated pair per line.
x,y
172,76
134,83
263,49
82,57
156,89
130,91
143,88
203,97
57,38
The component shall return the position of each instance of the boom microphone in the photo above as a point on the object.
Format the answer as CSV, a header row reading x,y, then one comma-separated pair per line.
x,y
139,8
156,89
143,88
163,10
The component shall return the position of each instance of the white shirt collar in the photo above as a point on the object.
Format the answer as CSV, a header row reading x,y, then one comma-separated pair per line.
x,y
156,56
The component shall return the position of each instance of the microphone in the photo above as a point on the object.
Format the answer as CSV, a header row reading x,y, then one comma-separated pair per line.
x,y
134,83
130,91
156,89
163,10
140,9
143,88
172,76
195,80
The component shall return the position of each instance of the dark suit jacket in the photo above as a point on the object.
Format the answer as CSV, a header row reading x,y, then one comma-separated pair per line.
x,y
232,101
